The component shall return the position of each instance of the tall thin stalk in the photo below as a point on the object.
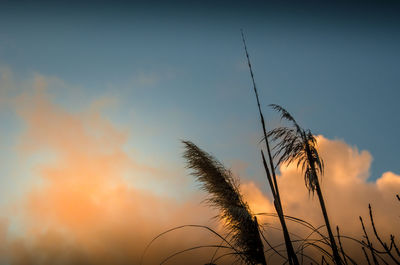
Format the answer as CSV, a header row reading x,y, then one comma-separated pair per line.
x,y
271,169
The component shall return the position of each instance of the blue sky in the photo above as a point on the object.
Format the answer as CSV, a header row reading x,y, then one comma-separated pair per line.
x,y
178,70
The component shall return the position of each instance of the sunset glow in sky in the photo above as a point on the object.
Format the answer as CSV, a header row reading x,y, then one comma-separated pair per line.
x,y
95,99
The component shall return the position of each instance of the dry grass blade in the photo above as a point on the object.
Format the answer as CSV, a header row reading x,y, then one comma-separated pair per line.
x,y
190,249
365,255
383,244
212,231
369,244
341,246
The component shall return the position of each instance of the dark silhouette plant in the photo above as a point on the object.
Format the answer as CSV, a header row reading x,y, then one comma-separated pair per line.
x,y
224,193
297,144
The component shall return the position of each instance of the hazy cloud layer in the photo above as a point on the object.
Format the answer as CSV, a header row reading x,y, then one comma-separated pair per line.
x,y
83,210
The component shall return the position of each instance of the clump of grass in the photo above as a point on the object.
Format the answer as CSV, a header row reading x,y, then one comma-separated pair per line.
x,y
224,194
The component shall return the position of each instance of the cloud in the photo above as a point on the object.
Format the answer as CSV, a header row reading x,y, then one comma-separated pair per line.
x,y
82,209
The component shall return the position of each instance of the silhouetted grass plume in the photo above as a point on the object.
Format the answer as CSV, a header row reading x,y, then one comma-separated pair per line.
x,y
298,144
224,193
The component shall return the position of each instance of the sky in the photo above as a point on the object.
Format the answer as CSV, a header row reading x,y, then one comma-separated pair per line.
x,y
95,98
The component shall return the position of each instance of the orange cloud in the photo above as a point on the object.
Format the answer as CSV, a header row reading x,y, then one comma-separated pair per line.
x,y
83,210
